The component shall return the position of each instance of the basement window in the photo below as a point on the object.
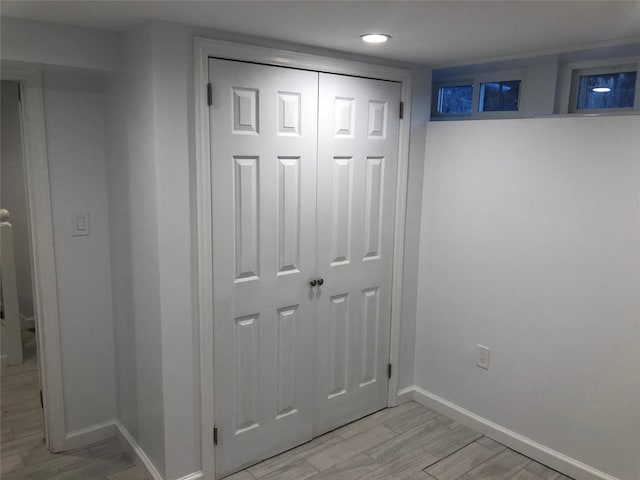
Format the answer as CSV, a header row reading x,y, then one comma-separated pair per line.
x,y
499,96
485,95
455,99
612,88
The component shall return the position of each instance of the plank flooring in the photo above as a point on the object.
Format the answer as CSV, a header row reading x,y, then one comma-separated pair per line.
x,y
409,442
23,454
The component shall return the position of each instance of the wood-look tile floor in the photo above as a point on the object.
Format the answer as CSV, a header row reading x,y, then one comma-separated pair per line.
x,y
23,454
409,442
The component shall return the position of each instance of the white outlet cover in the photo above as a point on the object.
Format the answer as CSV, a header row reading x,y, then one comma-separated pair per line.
x,y
482,357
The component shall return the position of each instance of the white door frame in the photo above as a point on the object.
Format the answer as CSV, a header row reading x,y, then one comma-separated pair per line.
x,y
45,290
203,49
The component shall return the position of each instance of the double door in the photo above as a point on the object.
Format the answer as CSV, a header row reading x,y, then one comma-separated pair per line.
x,y
303,176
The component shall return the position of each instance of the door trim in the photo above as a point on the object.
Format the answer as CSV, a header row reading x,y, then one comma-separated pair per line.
x,y
36,169
203,49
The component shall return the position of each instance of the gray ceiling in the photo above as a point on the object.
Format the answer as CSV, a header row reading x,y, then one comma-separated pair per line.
x,y
435,33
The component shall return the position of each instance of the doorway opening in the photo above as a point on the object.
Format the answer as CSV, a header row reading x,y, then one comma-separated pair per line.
x,y
36,336
21,394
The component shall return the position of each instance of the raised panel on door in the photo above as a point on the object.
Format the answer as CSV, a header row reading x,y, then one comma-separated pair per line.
x,y
263,154
357,158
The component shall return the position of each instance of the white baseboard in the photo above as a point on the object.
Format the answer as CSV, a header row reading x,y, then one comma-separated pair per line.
x,y
27,322
136,451
192,476
511,439
405,395
94,433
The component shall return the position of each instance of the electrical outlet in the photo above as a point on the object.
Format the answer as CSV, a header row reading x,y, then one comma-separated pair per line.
x,y
482,357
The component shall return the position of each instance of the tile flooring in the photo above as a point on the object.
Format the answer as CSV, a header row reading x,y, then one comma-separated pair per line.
x,y
23,454
409,442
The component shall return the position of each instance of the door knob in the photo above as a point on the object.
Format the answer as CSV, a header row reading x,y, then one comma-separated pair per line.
x,y
313,283
320,281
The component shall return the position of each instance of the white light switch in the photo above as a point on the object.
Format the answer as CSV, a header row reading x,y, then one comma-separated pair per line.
x,y
80,224
482,357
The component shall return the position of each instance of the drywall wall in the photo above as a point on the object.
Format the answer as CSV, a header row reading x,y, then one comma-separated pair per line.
x,y
74,106
530,245
174,139
134,217
51,44
420,111
13,193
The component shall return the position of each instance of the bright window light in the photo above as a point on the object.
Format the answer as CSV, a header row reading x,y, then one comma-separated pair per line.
x,y
375,37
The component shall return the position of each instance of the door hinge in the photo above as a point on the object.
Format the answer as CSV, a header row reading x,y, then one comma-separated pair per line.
x,y
209,94
215,435
41,401
389,369
401,110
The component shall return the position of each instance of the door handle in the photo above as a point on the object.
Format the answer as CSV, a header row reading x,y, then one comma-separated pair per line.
x,y
313,283
320,281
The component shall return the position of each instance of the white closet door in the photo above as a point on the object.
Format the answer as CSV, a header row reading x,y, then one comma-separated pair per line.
x,y
264,140
357,158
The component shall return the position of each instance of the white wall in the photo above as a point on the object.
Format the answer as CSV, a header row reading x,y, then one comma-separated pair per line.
x,y
46,43
14,194
133,197
74,107
420,111
174,122
530,246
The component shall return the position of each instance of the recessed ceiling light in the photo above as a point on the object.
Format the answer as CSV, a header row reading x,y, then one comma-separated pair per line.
x,y
375,37
601,89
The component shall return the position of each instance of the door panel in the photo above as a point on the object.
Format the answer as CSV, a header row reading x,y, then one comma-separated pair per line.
x,y
294,200
264,138
357,157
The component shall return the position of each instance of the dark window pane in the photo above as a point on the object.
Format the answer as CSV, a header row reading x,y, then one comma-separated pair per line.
x,y
609,90
455,99
499,96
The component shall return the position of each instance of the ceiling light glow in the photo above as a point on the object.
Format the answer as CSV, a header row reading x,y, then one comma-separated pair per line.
x,y
601,89
375,37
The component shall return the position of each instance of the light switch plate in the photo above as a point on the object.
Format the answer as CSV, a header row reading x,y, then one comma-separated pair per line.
x,y
482,357
81,224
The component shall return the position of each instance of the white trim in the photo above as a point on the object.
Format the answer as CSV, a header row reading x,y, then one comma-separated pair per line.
x,y
88,435
27,322
203,49
45,289
405,395
541,453
192,476
136,450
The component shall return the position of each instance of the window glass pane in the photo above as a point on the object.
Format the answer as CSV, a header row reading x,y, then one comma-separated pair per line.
x,y
455,99
609,90
499,96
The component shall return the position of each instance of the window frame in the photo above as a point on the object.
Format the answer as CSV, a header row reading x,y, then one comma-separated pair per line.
x,y
515,75
435,98
617,67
